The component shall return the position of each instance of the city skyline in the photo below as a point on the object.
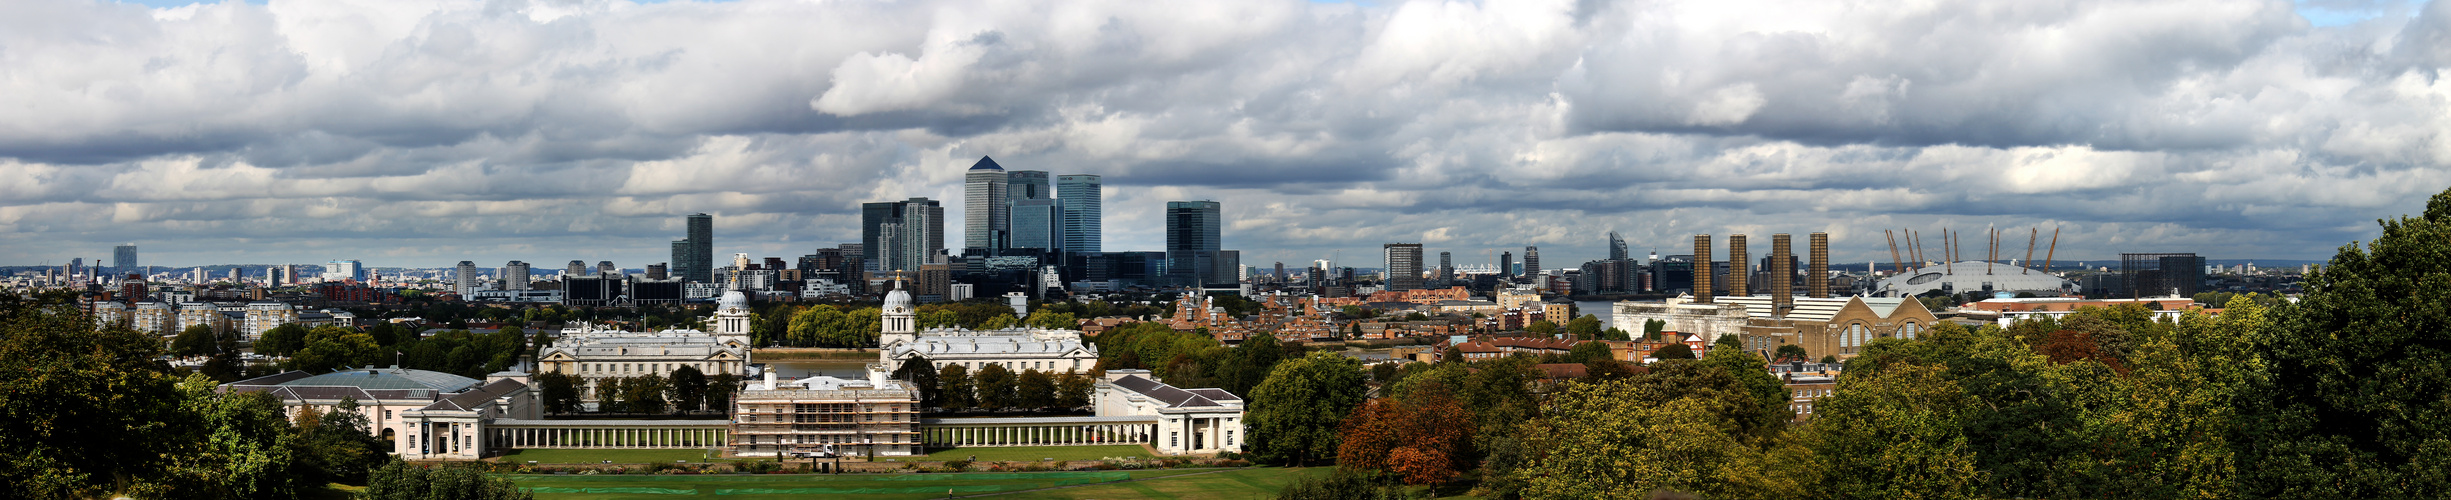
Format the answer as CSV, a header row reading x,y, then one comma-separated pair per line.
x,y
1322,129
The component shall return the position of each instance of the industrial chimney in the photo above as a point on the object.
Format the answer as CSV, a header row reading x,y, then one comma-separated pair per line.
x,y
1740,270
1782,276
1817,281
1702,269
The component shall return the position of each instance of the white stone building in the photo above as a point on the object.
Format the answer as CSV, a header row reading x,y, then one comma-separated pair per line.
x,y
1189,421
423,414
1017,349
822,416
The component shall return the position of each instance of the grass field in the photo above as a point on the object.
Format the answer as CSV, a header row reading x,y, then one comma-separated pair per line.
x,y
693,455
1034,453
1181,483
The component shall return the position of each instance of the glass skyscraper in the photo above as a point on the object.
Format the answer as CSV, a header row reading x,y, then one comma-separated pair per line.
x,y
1083,214
124,259
1192,230
1037,224
693,258
900,235
985,205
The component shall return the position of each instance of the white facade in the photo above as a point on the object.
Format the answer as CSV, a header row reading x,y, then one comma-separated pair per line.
x,y
1017,349
823,415
1189,420
1682,315
424,414
594,355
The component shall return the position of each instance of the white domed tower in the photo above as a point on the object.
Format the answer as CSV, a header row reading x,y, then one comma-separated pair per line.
x,y
901,320
732,317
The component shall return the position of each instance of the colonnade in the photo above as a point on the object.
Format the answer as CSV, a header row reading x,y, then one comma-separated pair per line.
x,y
1038,434
712,435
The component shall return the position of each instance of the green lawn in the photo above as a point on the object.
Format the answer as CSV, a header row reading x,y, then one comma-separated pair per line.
x,y
693,455
1034,453
1255,482
1235,483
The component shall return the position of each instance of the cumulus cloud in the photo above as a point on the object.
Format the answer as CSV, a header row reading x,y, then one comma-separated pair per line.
x,y
425,132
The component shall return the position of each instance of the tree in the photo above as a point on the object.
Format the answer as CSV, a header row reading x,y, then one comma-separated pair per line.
x,y
1034,390
196,340
398,480
2354,404
558,392
1731,341
719,390
999,322
1673,351
953,386
1792,351
337,446
1541,327
996,388
688,388
1588,351
1586,327
1652,328
645,394
1416,440
330,347
1074,390
1294,413
1053,320
1616,334
281,340
608,394
922,376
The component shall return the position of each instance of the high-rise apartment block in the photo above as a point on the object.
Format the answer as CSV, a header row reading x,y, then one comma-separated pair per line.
x,y
465,280
901,235
1616,247
124,259
985,204
515,275
1403,266
1192,240
1083,216
1446,266
1531,261
1506,265
693,257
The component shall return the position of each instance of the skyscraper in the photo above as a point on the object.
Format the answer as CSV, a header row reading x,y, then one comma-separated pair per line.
x,y
515,275
606,268
1028,185
1083,216
124,259
984,215
1506,265
693,258
1446,266
465,281
1403,266
900,235
577,268
1616,247
1037,223
1192,240
1531,261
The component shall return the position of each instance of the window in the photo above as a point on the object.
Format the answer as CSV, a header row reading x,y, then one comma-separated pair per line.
x,y
1909,330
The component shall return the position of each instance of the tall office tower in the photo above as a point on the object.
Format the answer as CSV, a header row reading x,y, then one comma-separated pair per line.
x,y
1037,223
655,272
576,269
1817,275
1702,269
900,235
1280,274
606,268
1028,185
1192,240
701,248
465,281
233,275
124,259
289,274
984,215
1740,270
1083,211
1403,266
515,275
1531,261
1616,247
1446,266
1782,275
1506,265
1226,267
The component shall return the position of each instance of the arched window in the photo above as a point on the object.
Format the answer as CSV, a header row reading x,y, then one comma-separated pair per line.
x,y
1909,330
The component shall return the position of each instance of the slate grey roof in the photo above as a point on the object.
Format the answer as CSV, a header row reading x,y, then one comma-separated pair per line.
x,y
476,397
388,378
1174,397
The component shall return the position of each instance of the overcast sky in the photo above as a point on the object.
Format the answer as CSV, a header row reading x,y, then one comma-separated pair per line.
x,y
410,133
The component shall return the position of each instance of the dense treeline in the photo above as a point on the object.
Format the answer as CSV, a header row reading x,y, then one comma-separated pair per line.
x,y
1192,359
92,413
2338,395
458,352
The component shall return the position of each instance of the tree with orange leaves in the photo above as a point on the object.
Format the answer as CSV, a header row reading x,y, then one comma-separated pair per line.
x,y
1419,440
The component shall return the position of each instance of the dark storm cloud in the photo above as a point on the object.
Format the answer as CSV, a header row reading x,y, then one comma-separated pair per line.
x,y
423,133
